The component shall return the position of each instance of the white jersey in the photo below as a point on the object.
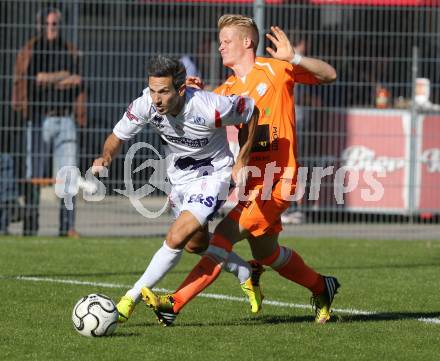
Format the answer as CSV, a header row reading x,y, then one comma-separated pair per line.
x,y
195,140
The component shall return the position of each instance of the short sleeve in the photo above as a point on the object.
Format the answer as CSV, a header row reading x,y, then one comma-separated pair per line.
x,y
221,111
134,118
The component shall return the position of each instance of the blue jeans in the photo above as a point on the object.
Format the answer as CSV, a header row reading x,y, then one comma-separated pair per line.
x,y
8,190
48,138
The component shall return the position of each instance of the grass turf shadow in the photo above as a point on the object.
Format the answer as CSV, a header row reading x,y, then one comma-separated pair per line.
x,y
277,319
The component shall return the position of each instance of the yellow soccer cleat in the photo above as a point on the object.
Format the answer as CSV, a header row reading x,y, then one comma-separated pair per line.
x,y
322,303
125,308
252,289
162,306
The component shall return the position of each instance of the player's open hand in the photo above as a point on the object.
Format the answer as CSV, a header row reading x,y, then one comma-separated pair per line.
x,y
283,49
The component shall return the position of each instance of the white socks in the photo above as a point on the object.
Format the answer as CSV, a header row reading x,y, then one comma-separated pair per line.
x,y
238,267
166,258
162,262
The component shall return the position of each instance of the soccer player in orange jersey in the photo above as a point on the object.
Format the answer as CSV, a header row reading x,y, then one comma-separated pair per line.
x,y
270,83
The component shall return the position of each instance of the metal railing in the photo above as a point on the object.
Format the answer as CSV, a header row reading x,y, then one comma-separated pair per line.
x,y
370,46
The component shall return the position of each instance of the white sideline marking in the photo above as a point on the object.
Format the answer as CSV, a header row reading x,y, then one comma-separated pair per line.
x,y
435,321
216,296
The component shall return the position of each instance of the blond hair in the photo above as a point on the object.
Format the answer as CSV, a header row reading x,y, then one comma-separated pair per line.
x,y
247,26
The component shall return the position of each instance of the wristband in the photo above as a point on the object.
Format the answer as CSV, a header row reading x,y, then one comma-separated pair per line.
x,y
296,59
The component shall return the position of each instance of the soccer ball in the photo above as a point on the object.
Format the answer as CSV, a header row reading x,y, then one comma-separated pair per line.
x,y
95,315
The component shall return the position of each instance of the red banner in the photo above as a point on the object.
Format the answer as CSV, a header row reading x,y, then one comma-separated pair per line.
x,y
428,176
377,141
378,2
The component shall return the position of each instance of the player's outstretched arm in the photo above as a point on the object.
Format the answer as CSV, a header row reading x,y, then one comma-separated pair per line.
x,y
246,137
111,149
284,50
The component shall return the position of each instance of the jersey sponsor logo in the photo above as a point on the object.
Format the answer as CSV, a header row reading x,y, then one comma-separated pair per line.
x,y
274,138
184,163
200,198
262,139
204,166
130,115
261,89
198,121
267,111
192,143
157,121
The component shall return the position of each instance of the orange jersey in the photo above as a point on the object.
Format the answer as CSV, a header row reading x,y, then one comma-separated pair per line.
x,y
270,83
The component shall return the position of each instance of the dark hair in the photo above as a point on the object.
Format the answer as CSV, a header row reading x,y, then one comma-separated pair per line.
x,y
164,66
43,14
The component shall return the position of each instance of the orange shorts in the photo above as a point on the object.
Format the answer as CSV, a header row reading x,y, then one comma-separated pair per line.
x,y
260,216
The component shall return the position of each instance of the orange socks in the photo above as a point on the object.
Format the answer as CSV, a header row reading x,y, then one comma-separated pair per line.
x,y
287,263
297,271
202,275
290,265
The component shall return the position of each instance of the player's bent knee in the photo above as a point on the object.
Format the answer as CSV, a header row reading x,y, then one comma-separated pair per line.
x,y
195,248
269,261
278,258
175,240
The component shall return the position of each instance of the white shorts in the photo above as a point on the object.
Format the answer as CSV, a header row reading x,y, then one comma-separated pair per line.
x,y
203,198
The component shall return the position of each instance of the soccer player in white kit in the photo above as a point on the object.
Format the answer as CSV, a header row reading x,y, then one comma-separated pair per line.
x,y
191,123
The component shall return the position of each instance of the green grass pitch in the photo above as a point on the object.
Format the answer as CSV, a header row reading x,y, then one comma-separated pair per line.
x,y
388,307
